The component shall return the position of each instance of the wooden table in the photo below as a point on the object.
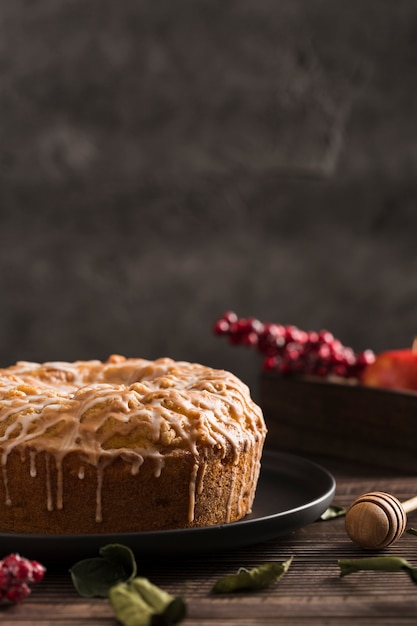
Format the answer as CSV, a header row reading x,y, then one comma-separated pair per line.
x,y
311,593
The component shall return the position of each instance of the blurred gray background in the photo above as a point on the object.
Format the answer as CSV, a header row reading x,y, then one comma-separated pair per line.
x,y
164,161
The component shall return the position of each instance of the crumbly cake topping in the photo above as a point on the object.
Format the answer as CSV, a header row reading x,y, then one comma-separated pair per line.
x,y
123,408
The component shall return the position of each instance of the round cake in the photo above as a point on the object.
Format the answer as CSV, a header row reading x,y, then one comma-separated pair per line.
x,y
125,445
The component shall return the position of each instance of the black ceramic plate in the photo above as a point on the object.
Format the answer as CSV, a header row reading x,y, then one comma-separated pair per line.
x,y
292,492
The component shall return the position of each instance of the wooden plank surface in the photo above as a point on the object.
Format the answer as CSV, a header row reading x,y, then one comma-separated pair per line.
x,y
311,593
315,416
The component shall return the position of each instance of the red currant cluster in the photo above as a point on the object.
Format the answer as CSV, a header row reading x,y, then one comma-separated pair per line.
x,y
16,574
289,350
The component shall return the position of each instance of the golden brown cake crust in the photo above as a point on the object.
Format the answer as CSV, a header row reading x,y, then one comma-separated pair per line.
x,y
125,445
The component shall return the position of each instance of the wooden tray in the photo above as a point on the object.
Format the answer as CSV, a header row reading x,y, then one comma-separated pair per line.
x,y
353,422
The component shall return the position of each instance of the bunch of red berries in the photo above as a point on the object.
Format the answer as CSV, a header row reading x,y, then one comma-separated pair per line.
x,y
16,574
289,350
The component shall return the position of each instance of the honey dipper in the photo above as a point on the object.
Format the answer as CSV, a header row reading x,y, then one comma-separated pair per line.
x,y
377,519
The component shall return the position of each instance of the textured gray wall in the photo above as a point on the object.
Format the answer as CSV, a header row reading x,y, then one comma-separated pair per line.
x,y
162,162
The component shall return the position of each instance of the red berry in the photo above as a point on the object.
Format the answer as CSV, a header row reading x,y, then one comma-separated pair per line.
x,y
230,317
10,560
276,330
313,337
324,352
19,568
365,358
340,369
349,356
302,337
221,327
4,577
15,574
271,339
292,350
291,333
325,336
234,337
255,325
289,350
38,572
242,326
335,346
17,592
270,363
251,339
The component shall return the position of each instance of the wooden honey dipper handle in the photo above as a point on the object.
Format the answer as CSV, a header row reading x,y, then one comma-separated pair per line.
x,y
410,505
377,519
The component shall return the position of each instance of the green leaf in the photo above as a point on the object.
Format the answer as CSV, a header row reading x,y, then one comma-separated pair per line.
x,y
259,577
130,609
156,597
136,601
412,572
412,531
120,555
332,512
378,563
140,603
95,576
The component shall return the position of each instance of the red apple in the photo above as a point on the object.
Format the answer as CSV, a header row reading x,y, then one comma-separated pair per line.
x,y
393,369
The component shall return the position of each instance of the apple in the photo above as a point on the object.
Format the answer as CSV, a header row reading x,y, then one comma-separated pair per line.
x,y
393,369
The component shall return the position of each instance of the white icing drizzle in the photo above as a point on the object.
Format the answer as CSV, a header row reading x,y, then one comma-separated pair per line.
x,y
192,492
99,512
59,483
200,479
49,501
8,501
32,456
104,462
231,495
131,409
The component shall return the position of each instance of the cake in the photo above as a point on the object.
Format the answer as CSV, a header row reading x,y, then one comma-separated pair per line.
x,y
125,445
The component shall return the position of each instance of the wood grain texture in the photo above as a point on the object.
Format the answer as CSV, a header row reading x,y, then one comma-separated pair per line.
x,y
354,422
311,593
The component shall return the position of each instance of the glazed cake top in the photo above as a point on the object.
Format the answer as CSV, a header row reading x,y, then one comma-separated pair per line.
x,y
124,406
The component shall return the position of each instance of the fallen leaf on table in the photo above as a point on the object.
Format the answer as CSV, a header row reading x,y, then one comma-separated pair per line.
x,y
259,577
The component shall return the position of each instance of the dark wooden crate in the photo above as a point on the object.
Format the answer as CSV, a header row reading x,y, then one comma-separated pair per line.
x,y
350,421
